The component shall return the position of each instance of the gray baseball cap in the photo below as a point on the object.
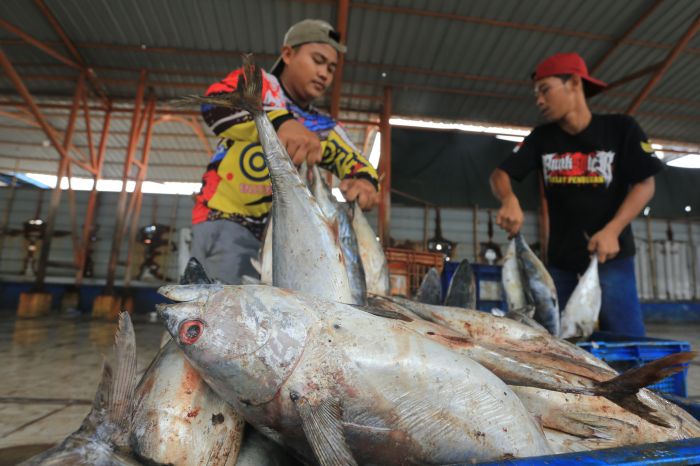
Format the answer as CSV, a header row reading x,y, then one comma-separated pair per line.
x,y
308,31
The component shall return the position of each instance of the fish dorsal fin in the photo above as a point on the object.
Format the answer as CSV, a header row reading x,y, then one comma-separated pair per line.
x,y
430,289
323,427
195,274
119,408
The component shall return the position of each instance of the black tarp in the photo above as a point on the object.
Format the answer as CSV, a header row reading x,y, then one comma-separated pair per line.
x,y
452,168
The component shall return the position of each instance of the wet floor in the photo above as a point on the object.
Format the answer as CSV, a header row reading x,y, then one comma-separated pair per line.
x,y
52,367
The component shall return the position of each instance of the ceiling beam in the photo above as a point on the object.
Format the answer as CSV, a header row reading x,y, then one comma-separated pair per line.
x,y
624,37
670,58
632,76
404,69
94,81
43,46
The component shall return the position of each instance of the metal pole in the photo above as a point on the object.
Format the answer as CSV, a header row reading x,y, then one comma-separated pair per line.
x,y
691,246
138,193
8,208
543,221
475,231
121,206
341,28
385,171
652,258
56,194
73,212
92,201
425,227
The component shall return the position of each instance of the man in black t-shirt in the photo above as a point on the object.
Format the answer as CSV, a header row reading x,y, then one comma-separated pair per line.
x,y
598,175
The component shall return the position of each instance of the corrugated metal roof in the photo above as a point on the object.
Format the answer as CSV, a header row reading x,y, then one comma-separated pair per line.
x,y
446,59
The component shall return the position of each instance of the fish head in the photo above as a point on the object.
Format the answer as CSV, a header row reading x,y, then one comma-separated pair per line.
x,y
241,339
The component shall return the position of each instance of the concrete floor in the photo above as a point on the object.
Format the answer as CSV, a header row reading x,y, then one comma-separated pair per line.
x,y
52,367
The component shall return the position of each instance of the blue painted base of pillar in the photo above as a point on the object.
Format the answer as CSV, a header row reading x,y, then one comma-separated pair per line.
x,y
145,297
671,312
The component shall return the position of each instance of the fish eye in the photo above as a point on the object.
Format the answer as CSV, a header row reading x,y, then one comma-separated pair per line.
x,y
190,331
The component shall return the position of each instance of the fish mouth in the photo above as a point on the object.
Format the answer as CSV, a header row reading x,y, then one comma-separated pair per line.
x,y
187,293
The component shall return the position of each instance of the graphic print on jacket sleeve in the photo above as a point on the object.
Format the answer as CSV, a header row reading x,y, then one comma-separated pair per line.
x,y
578,168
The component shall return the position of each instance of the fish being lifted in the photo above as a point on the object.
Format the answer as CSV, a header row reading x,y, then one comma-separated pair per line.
x,y
306,250
580,315
342,386
539,287
102,438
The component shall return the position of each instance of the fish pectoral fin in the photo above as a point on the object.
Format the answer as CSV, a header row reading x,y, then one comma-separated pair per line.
x,y
322,424
588,425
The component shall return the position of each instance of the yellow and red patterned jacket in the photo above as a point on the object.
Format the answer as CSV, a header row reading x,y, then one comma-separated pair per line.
x,y
236,185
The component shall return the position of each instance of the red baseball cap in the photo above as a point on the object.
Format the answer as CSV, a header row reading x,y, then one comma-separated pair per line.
x,y
568,63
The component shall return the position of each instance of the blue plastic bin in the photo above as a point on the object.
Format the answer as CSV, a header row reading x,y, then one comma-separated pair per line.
x,y
625,352
484,275
488,276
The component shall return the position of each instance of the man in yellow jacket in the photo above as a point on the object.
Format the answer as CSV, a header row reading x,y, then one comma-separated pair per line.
x,y
233,205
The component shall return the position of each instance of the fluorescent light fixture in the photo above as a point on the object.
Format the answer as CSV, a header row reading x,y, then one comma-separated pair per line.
x,y
687,161
376,151
115,186
658,150
510,138
467,127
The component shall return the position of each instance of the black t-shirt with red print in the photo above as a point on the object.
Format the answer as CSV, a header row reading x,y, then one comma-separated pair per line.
x,y
586,177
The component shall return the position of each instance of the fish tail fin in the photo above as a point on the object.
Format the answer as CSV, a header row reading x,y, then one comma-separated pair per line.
x,y
248,94
249,89
623,389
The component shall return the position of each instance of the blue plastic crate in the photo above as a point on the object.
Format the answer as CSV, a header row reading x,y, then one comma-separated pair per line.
x,y
625,352
488,275
482,274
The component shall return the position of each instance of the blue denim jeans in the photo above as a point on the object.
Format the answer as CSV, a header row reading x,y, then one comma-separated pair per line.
x,y
620,311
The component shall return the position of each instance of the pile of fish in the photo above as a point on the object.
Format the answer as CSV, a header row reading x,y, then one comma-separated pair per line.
x,y
318,364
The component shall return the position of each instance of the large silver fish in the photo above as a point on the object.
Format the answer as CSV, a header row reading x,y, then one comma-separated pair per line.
x,y
512,281
530,357
506,333
179,420
596,422
580,315
343,386
373,258
539,287
340,216
305,247
462,289
102,438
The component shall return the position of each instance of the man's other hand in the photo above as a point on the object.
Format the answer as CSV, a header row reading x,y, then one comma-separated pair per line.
x,y
605,244
510,216
360,190
301,144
